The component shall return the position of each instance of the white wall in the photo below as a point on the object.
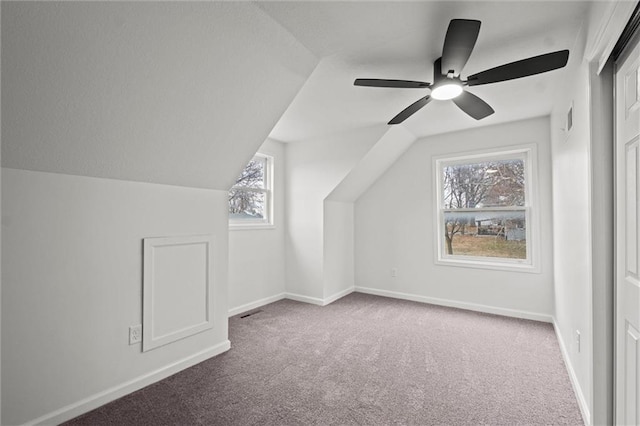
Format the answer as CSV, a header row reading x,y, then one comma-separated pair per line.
x,y
394,228
583,213
148,92
72,285
313,170
338,249
338,253
572,226
257,256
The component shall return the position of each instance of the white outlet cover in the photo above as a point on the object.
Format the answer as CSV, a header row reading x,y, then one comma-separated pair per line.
x,y
135,334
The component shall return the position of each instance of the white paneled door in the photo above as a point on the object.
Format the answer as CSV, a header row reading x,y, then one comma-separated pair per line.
x,y
628,239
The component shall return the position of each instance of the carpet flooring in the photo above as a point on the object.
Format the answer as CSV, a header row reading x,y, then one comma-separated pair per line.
x,y
364,360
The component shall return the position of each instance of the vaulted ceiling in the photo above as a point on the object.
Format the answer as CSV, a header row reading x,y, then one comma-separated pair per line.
x,y
400,40
183,93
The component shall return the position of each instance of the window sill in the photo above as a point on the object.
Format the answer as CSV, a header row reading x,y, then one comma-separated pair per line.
x,y
250,226
495,265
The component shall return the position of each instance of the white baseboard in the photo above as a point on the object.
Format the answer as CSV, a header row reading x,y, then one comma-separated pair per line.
x,y
293,296
338,295
85,405
456,304
305,299
256,304
73,410
577,389
317,300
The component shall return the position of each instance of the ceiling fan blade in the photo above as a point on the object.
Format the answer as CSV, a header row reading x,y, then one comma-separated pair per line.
x,y
473,105
524,68
458,44
377,82
410,110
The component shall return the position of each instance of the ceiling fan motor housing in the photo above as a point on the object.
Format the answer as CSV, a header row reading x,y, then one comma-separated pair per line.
x,y
445,87
437,71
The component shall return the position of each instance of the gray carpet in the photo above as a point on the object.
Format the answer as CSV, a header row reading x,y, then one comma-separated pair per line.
x,y
364,360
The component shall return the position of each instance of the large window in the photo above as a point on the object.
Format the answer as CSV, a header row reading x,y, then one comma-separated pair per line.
x,y
250,198
485,209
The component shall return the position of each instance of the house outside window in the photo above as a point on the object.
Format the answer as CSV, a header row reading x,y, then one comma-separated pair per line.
x,y
251,197
486,209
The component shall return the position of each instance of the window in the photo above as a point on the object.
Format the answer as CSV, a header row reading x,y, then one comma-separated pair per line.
x,y
485,209
250,198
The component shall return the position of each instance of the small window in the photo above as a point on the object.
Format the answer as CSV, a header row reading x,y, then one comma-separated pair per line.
x,y
250,198
485,209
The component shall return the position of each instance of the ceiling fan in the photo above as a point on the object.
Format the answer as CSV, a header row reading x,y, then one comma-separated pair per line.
x,y
458,44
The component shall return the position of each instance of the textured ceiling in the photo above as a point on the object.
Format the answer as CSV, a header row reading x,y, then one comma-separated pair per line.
x,y
400,40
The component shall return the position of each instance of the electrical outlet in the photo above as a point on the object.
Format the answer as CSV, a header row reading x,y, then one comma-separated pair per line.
x,y
578,340
394,272
135,334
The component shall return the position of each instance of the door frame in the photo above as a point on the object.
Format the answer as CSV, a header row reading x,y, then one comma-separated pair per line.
x,y
607,39
627,42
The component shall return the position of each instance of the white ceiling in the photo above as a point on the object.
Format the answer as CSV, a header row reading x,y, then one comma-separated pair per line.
x,y
400,40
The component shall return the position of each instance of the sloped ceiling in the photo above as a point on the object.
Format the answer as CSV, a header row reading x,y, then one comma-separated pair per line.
x,y
184,93
179,93
400,40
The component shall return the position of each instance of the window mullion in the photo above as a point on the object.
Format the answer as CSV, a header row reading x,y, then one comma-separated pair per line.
x,y
485,209
246,189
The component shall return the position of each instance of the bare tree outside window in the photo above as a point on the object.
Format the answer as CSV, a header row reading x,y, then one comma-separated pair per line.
x,y
483,205
249,196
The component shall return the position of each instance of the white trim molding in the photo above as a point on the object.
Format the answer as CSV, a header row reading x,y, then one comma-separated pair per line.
x,y
338,295
612,23
181,268
305,299
530,210
396,295
515,313
317,300
255,304
291,296
85,405
577,389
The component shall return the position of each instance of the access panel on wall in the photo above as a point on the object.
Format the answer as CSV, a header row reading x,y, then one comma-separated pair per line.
x,y
177,288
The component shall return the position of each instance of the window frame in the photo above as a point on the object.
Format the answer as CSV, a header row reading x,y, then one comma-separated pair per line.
x,y
526,152
267,222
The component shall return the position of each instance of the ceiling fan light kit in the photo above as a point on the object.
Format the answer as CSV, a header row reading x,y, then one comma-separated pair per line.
x,y
446,90
458,45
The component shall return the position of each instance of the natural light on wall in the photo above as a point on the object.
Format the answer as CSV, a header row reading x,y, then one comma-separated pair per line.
x,y
485,211
250,198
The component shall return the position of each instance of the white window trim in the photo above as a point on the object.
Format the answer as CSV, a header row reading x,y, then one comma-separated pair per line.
x,y
267,222
531,209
